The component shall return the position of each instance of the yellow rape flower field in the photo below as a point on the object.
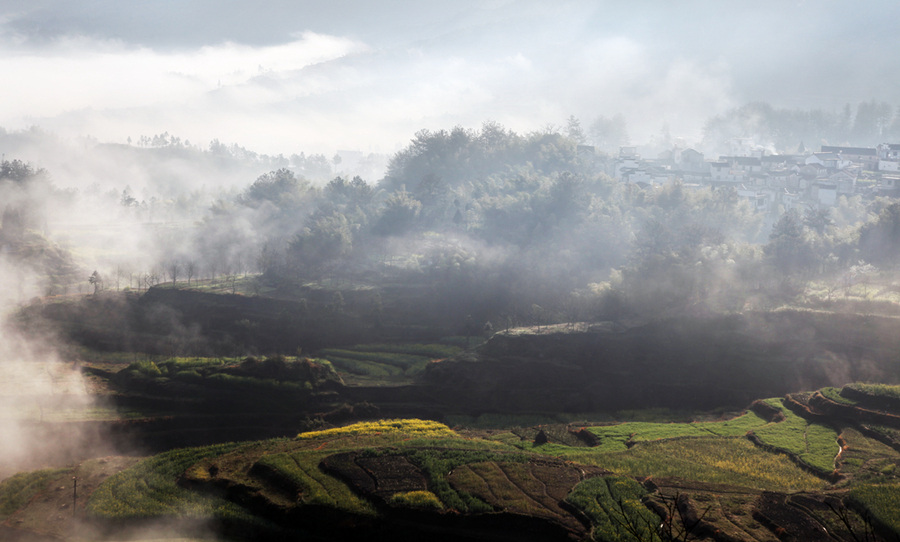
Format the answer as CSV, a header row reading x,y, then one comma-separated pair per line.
x,y
412,428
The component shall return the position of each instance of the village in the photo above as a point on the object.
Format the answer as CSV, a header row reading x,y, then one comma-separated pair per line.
x,y
771,182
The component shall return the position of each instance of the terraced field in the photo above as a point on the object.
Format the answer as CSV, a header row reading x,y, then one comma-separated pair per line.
x,y
759,476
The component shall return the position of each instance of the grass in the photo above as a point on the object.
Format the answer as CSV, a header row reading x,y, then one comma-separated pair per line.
x,y
729,460
613,506
19,488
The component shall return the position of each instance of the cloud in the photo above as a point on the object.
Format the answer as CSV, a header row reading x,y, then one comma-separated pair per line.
x,y
80,72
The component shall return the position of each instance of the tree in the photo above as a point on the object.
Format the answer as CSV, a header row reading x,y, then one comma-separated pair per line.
x,y
96,281
818,220
789,250
337,304
400,213
173,268
574,130
879,241
609,134
190,267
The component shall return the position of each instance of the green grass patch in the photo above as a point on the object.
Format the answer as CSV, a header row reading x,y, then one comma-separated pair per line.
x,y
720,460
613,506
18,489
814,443
613,438
878,390
834,394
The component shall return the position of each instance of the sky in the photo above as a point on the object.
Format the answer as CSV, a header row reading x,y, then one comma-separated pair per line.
x,y
284,77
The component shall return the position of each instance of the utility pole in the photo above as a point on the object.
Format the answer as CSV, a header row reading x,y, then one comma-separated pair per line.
x,y
74,495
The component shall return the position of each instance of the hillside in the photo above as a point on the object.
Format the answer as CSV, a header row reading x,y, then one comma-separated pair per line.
x,y
783,470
